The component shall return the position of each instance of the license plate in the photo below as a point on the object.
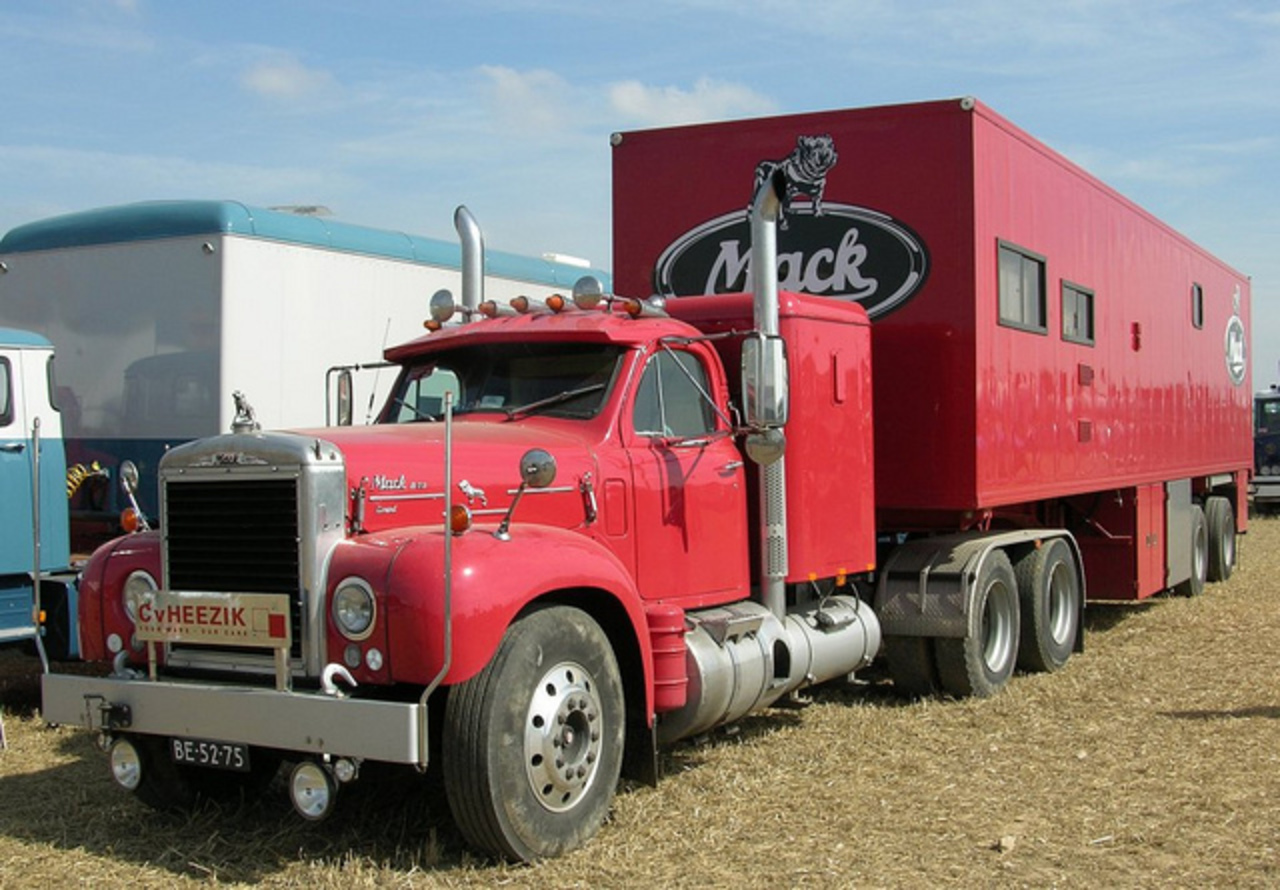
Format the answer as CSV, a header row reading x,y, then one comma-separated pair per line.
x,y
220,755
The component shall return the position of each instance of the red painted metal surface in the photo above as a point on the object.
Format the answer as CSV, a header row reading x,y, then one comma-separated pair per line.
x,y
970,414
830,496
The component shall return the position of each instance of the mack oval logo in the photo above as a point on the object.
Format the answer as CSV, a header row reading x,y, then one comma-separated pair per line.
x,y
846,253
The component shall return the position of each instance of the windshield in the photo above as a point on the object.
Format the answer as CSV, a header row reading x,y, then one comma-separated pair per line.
x,y
516,379
1267,416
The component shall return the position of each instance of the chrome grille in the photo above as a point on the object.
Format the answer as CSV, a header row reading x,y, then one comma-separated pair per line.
x,y
236,536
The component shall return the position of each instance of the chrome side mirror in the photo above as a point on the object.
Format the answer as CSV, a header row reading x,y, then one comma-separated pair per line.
x,y
537,470
765,382
345,397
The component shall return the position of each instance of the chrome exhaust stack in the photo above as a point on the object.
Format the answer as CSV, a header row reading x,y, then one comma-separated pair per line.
x,y
773,476
472,261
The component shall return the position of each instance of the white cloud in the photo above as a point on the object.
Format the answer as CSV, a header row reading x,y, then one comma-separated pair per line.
x,y
708,100
537,99
285,78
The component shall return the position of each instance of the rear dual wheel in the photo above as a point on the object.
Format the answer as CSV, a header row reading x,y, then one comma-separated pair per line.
x,y
1220,519
1050,600
981,663
978,664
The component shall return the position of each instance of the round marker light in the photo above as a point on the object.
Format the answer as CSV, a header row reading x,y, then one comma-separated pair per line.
x,y
129,520
556,303
312,790
126,764
137,586
459,518
488,309
520,304
354,608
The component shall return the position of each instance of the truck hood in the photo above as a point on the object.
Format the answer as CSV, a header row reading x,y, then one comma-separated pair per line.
x,y
400,470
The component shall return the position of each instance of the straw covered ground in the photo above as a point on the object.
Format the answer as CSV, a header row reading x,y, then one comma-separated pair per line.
x,y
1152,759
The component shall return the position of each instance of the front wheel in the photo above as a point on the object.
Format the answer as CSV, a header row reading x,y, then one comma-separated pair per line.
x,y
532,745
982,662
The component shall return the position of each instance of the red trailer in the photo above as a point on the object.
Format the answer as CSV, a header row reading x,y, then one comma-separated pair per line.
x,y
1045,352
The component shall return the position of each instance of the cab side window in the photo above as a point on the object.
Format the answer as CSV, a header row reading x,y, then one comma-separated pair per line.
x,y
6,393
668,402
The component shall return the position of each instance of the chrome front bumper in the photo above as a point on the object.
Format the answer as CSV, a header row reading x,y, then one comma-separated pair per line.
x,y
306,722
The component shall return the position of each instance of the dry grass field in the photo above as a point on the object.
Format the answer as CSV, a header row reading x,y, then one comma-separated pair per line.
x,y
1153,759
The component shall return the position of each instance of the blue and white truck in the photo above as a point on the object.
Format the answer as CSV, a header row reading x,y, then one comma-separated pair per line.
x,y
36,578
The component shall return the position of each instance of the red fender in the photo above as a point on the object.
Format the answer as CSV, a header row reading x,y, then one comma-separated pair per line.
x,y
493,581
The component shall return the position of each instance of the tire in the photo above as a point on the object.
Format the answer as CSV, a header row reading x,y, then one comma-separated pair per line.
x,y
1199,543
1049,600
532,745
981,663
1221,520
911,665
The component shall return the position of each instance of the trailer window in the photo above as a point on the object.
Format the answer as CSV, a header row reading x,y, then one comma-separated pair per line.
x,y
1022,298
1197,306
1077,314
6,394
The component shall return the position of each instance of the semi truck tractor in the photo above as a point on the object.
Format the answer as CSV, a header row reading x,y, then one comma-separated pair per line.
x,y
583,529
160,310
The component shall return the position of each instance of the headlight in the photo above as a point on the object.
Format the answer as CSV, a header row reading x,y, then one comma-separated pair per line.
x,y
138,585
354,608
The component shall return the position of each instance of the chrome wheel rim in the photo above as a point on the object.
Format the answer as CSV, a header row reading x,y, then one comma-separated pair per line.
x,y
562,736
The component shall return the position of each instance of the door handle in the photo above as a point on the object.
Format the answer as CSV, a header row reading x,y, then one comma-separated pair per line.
x,y
14,447
731,466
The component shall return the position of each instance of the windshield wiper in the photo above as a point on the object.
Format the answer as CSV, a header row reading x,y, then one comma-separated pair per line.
x,y
556,399
416,412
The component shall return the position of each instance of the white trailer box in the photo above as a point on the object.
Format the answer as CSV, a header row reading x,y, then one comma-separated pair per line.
x,y
159,311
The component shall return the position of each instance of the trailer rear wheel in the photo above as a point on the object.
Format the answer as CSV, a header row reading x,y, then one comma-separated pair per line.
x,y
532,745
1194,586
1221,520
1049,594
981,663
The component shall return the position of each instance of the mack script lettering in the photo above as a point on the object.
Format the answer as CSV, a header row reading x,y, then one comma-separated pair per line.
x,y
825,271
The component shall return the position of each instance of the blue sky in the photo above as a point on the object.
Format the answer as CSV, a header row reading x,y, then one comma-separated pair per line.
x,y
392,112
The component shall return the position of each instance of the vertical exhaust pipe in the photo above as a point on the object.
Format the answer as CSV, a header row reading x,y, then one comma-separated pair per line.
x,y
765,208
472,261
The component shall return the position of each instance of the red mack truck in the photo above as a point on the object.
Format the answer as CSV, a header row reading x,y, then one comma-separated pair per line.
x,y
583,530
